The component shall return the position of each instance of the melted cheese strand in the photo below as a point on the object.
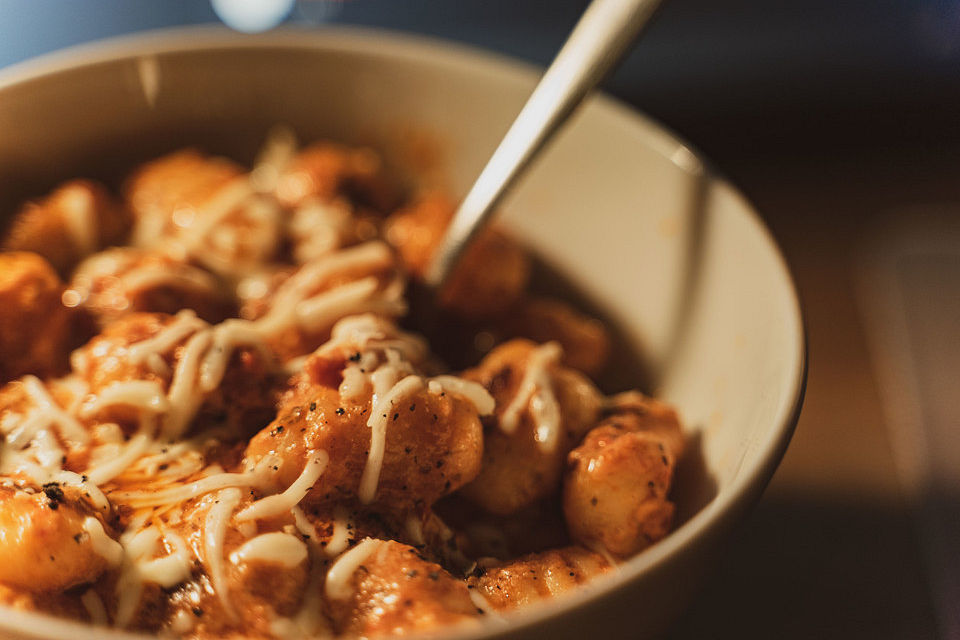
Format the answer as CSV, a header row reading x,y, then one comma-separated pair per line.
x,y
103,545
298,288
180,624
276,153
340,530
480,602
303,524
26,429
277,504
472,391
338,577
80,218
224,202
340,533
91,491
197,488
166,275
319,228
309,623
546,414
94,605
170,570
379,416
272,548
536,390
185,323
138,445
184,394
215,531
368,332
52,413
227,336
146,395
324,309
47,450
414,528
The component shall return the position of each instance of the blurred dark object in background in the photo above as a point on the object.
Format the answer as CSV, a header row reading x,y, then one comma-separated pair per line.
x,y
746,80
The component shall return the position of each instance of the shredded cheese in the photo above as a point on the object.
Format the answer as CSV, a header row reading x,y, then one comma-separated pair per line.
x,y
208,484
287,307
379,416
215,531
472,391
481,602
103,545
338,576
92,602
185,323
49,412
228,336
277,504
536,391
169,570
340,536
146,395
80,218
184,394
138,445
273,548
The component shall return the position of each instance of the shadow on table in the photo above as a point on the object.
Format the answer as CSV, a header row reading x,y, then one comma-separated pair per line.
x,y
802,568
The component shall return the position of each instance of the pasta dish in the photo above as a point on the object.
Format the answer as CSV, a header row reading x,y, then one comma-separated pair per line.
x,y
219,419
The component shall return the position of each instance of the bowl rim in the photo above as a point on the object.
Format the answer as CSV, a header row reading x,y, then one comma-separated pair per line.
x,y
744,490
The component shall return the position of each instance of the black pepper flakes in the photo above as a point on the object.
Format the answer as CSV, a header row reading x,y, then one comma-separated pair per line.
x,y
313,406
55,494
197,611
340,411
434,575
593,501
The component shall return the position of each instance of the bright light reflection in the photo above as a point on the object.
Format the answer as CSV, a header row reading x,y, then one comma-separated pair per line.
x,y
252,16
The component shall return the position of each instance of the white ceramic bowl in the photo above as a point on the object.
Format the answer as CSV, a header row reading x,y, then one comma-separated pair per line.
x,y
675,256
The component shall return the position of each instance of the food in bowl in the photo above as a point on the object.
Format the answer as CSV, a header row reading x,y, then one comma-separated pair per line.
x,y
217,423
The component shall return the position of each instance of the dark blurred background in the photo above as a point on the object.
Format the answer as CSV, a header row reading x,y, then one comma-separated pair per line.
x,y
840,119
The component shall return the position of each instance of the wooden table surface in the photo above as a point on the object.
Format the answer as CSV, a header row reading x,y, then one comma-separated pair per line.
x,y
832,551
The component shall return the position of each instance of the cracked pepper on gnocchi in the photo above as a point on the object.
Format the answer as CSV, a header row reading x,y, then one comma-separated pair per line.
x,y
218,420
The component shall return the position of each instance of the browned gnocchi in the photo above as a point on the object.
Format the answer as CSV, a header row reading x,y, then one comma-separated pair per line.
x,y
222,421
